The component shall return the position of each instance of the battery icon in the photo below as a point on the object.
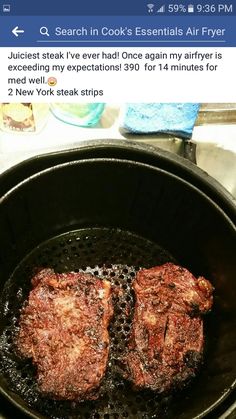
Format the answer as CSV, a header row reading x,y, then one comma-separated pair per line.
x,y
190,8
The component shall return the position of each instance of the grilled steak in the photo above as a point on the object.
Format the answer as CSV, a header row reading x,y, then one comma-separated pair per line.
x,y
166,343
63,328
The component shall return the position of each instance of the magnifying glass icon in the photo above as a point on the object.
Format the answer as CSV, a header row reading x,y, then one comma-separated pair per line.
x,y
44,30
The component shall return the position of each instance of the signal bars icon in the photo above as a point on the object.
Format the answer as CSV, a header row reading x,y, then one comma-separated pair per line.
x,y
161,9
150,7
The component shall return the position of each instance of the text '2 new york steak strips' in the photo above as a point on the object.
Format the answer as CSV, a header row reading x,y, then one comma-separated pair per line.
x,y
63,328
166,342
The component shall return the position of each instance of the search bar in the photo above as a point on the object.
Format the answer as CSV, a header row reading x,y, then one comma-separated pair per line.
x,y
128,31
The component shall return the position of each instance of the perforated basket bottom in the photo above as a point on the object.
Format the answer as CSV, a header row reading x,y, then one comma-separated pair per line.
x,y
112,254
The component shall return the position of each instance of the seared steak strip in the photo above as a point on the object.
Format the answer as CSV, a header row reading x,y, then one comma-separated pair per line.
x,y
63,328
166,343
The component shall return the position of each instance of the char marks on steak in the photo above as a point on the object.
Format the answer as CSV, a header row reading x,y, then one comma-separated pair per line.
x,y
166,342
63,328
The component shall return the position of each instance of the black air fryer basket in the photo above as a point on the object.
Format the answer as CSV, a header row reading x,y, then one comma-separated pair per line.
x,y
111,208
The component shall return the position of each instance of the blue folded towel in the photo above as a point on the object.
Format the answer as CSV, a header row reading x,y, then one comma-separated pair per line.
x,y
170,118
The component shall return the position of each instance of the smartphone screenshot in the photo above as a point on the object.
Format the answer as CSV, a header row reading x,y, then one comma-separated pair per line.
x,y
118,209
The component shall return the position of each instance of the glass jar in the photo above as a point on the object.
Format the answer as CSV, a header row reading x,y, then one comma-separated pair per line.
x,y
81,114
